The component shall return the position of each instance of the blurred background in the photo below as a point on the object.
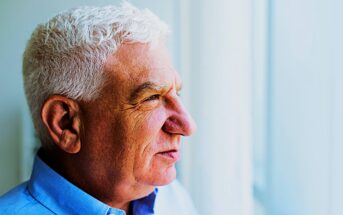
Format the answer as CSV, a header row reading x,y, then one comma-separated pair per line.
x,y
263,80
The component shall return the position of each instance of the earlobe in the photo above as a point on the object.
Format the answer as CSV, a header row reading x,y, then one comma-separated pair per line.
x,y
61,117
69,142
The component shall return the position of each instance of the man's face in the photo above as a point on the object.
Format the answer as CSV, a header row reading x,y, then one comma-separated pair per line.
x,y
132,131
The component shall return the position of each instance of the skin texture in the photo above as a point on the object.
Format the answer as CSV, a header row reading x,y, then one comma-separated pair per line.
x,y
121,145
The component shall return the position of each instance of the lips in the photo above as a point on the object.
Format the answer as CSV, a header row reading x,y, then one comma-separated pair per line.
x,y
172,155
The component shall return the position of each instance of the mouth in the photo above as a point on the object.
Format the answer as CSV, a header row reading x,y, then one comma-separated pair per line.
x,y
170,155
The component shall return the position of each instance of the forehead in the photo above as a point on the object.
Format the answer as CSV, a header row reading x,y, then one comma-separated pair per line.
x,y
134,64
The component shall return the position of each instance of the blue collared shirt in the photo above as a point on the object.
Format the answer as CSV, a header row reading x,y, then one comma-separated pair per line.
x,y
47,192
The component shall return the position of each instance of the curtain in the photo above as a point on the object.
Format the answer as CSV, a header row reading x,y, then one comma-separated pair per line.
x,y
215,64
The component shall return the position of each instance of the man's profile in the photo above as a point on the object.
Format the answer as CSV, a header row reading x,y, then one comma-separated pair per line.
x,y
103,96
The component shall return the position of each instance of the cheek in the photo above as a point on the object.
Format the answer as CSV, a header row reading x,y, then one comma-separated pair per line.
x,y
148,136
146,127
148,168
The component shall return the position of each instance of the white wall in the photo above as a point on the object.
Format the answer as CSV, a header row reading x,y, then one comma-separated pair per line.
x,y
220,100
305,108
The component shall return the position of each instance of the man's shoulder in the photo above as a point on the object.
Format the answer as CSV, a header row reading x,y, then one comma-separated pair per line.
x,y
19,201
174,199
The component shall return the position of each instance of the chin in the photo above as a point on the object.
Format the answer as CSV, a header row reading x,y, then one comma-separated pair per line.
x,y
164,177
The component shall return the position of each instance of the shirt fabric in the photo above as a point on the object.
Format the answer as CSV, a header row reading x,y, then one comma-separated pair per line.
x,y
48,193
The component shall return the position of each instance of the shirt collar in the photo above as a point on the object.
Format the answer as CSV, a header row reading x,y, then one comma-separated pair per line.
x,y
144,206
62,197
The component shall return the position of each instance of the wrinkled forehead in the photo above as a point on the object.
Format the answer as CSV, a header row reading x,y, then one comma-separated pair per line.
x,y
134,64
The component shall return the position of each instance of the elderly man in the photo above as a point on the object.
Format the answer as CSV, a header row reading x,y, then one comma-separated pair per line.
x,y
104,100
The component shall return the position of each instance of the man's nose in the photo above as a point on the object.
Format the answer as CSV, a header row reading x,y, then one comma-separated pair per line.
x,y
180,121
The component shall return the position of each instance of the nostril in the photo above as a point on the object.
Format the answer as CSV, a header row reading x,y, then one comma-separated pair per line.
x,y
181,125
171,126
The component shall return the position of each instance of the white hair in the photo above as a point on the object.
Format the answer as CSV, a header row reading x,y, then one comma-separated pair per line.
x,y
66,55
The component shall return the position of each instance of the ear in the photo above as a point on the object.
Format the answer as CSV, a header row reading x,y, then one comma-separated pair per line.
x,y
61,117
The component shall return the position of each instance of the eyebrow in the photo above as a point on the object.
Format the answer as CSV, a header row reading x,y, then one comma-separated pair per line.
x,y
146,86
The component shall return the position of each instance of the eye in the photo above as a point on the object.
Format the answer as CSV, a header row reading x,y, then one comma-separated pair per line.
x,y
153,97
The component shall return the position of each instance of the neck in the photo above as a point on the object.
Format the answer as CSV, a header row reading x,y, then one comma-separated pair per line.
x,y
115,193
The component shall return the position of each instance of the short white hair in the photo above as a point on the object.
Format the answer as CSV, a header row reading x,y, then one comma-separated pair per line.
x,y
66,55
